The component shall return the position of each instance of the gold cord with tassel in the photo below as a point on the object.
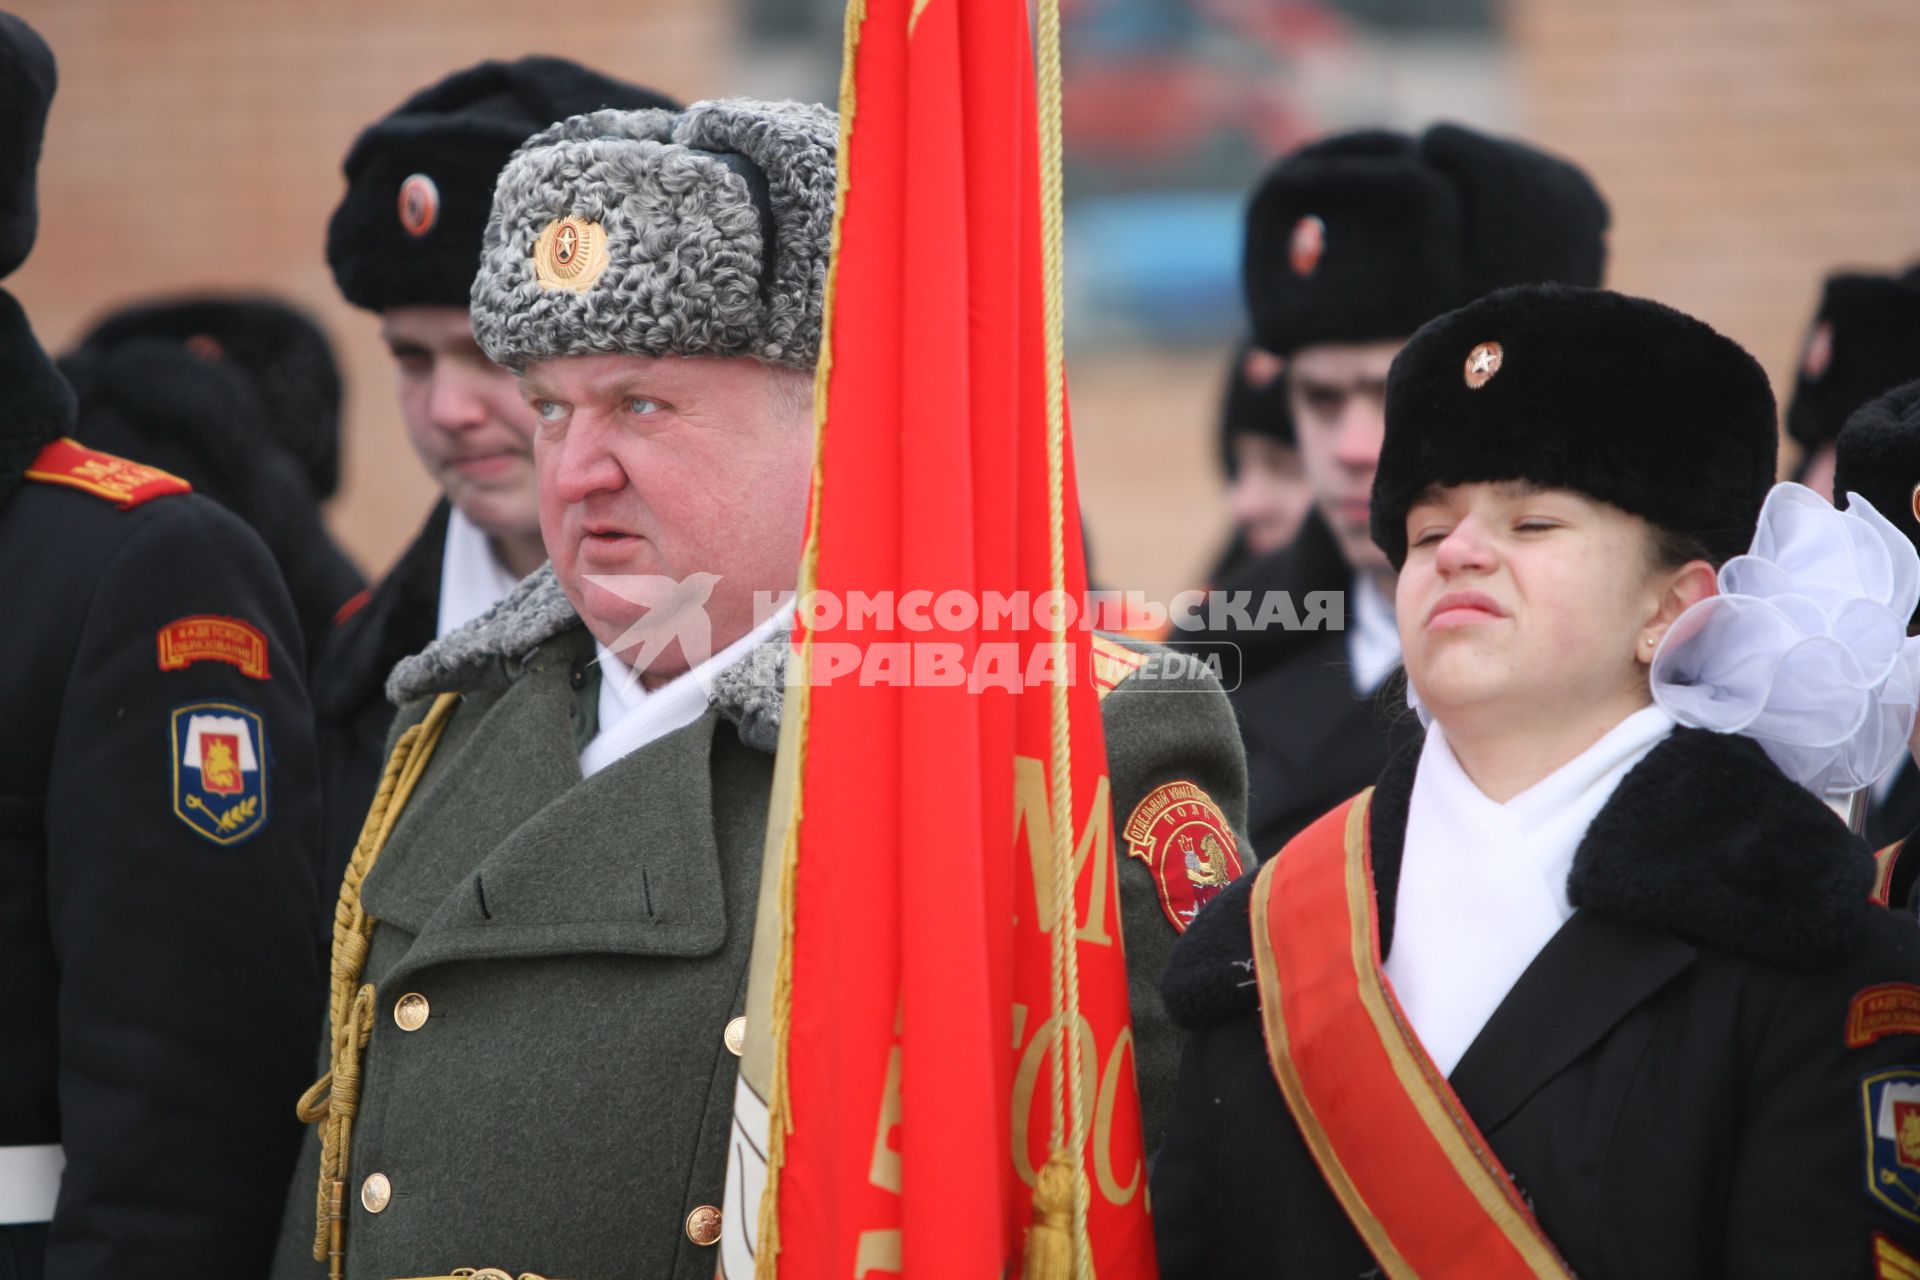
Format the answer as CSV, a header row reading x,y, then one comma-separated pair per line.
x,y
1058,1247
334,1098
1050,1252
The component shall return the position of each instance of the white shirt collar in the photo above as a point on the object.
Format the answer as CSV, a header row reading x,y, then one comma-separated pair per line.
x,y
631,715
1373,634
1483,885
472,580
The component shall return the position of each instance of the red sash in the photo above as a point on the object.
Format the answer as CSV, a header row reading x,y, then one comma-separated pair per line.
x,y
1406,1161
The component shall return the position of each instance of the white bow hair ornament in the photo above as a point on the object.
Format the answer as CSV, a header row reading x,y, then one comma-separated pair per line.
x,y
1805,649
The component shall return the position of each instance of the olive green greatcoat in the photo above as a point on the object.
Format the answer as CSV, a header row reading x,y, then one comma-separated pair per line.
x,y
582,946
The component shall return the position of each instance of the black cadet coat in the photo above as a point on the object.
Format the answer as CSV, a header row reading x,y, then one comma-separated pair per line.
x,y
158,985
350,707
1310,740
1669,1082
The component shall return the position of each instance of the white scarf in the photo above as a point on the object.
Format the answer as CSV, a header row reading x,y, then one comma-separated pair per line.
x,y
472,580
1373,634
1483,885
631,715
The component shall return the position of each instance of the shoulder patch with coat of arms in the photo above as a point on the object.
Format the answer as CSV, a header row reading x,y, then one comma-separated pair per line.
x,y
219,758
1188,845
1891,1104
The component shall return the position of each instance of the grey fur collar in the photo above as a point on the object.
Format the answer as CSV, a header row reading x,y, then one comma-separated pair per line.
x,y
750,693
531,614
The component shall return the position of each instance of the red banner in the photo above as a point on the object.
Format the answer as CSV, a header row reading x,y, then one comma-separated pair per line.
x,y
916,1085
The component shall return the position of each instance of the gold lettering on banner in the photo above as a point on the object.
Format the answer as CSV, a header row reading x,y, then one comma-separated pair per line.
x,y
877,1251
885,1171
1103,1126
1027,1077
1033,811
880,1249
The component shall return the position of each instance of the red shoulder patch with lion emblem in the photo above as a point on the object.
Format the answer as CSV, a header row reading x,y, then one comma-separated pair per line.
x,y
1188,845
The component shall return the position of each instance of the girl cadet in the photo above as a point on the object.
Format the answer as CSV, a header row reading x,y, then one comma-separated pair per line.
x,y
1575,989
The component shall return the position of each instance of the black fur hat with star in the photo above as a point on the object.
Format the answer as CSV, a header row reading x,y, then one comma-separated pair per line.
x,y
1878,457
1864,341
420,179
1366,236
1618,398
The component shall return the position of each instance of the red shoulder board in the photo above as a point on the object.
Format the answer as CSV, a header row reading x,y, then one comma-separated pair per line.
x,y
121,481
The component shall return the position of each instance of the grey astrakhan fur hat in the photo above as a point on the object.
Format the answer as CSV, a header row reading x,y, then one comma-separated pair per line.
x,y
702,232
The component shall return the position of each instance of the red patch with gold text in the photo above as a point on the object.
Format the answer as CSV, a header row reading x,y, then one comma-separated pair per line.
x,y
1888,1009
1184,839
211,638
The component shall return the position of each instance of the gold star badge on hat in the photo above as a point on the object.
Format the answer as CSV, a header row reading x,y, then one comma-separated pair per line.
x,y
1482,363
570,254
1914,502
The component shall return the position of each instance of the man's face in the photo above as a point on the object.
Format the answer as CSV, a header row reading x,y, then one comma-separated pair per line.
x,y
465,418
1337,392
1270,496
666,468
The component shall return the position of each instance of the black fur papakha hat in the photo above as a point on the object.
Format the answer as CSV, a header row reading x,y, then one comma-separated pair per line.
x,y
1618,398
420,180
276,347
1864,341
27,81
1366,236
1878,457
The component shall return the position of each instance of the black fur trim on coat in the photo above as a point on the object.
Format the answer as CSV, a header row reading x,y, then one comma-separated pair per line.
x,y
36,404
1622,399
1705,838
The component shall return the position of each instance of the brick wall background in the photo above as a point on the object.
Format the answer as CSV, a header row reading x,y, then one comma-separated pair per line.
x,y
196,145
1746,145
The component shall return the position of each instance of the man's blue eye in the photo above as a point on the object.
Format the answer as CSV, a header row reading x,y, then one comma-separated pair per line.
x,y
640,404
550,410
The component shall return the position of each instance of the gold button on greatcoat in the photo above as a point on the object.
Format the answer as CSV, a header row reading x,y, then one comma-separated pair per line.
x,y
703,1225
376,1193
736,1036
410,1011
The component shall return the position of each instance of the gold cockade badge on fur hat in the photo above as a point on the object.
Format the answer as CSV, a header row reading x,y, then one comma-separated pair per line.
x,y
702,232
570,254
